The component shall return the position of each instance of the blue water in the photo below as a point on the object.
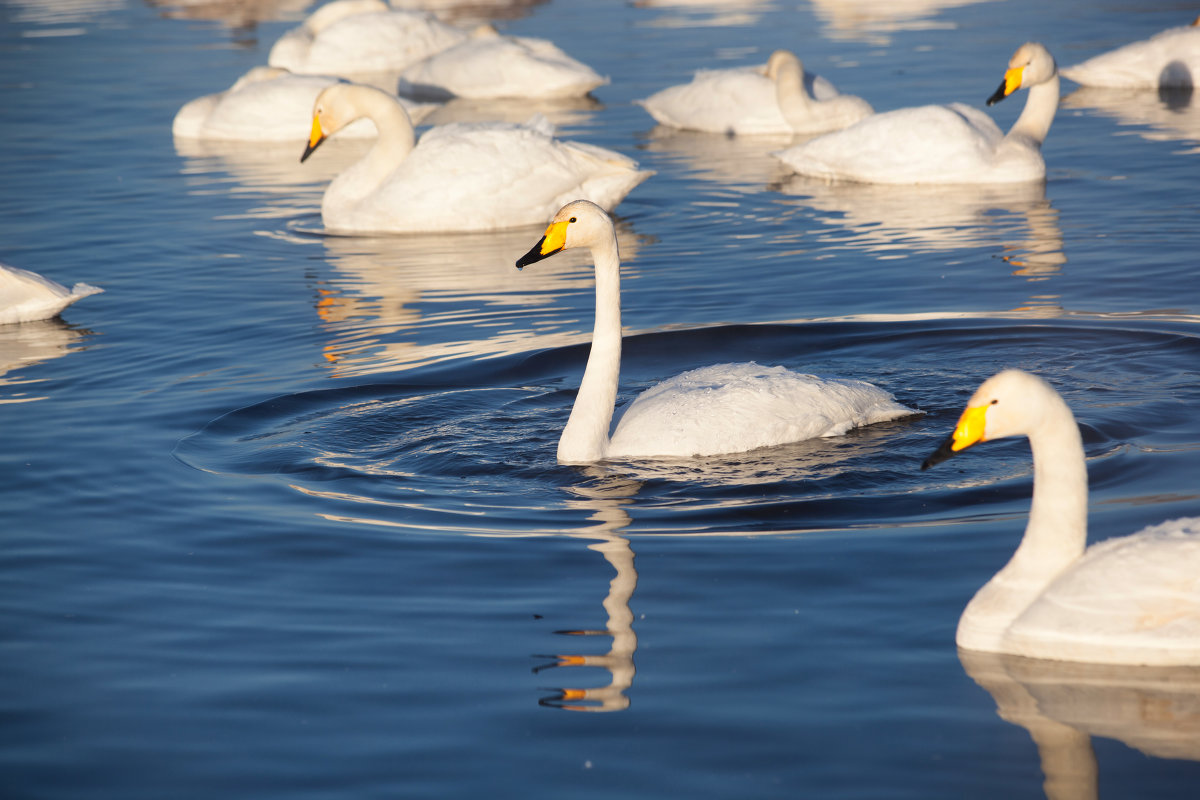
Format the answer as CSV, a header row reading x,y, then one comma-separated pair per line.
x,y
282,516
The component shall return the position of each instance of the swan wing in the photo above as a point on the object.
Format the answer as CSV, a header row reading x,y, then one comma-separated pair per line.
x,y
731,408
389,40
27,296
1170,58
1134,599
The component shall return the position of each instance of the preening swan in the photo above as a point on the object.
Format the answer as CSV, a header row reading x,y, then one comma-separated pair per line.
x,y
780,98
267,104
1129,600
489,66
458,177
26,296
353,37
1169,59
944,144
725,408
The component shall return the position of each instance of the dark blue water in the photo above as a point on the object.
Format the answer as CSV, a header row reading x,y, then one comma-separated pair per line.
x,y
281,513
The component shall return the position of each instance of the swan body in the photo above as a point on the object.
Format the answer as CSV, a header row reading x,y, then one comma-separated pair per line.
x,y
726,408
506,175
490,66
778,99
267,104
352,37
26,296
1168,59
1129,600
943,144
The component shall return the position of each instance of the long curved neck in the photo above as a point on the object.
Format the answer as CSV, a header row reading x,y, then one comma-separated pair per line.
x,y
1054,538
1038,114
585,437
395,141
793,99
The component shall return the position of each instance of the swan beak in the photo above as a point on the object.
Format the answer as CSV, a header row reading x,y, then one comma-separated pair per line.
x,y
1012,82
969,431
315,138
554,240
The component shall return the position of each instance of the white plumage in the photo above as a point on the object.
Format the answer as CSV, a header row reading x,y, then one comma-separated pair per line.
x,y
1169,59
26,296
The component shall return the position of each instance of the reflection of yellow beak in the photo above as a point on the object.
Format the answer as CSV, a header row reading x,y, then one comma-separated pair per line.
x,y
970,428
315,138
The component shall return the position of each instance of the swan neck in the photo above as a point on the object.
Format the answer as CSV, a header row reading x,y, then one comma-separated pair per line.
x,y
395,141
585,437
1038,114
793,99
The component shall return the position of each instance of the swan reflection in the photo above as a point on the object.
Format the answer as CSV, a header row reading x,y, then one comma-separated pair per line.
x,y
892,221
392,296
606,498
873,21
26,344
740,162
1170,114
237,14
468,12
1063,704
706,13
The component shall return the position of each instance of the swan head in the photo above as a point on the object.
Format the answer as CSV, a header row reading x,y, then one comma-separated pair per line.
x,y
1030,65
782,60
578,224
1010,403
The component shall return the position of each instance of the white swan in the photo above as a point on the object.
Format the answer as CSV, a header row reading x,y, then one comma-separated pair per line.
x,y
267,104
352,37
1129,600
489,66
459,177
725,408
780,98
1170,58
943,144
26,296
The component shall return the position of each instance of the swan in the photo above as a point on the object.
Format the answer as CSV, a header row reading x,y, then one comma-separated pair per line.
x,y
351,37
490,66
26,296
267,104
1170,58
458,177
1129,600
943,144
780,98
725,408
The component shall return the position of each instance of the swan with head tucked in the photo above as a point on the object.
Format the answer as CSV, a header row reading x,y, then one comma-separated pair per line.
x,y
267,104
352,37
725,408
458,177
1169,59
26,296
490,66
780,98
1128,600
944,144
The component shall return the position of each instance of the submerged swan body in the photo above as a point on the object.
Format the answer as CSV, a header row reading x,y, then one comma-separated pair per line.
x,y
1169,59
352,37
490,66
267,104
726,408
944,144
780,98
1129,600
26,296
458,177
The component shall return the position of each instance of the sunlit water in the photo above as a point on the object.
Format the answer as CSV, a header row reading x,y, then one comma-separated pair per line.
x,y
282,516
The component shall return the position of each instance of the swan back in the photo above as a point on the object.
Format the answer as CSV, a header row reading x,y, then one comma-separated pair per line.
x,y
26,296
1168,59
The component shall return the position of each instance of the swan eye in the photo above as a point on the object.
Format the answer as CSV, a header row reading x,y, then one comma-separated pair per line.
x,y
995,401
572,219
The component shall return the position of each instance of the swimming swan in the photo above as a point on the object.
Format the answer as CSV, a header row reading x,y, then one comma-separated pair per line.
x,y
458,177
490,66
352,37
780,98
944,144
725,408
267,104
1170,58
1129,600
26,296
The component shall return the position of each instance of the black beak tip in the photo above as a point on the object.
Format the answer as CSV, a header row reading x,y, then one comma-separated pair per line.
x,y
533,256
997,95
944,452
308,151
